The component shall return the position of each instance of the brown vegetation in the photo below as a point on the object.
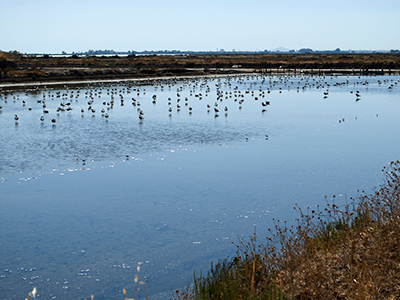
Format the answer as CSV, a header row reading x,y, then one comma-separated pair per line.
x,y
15,67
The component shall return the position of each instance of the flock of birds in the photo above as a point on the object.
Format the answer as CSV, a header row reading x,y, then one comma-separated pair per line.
x,y
220,93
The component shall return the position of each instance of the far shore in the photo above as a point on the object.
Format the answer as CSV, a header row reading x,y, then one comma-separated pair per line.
x,y
17,70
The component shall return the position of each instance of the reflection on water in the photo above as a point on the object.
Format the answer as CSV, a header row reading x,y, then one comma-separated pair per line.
x,y
86,198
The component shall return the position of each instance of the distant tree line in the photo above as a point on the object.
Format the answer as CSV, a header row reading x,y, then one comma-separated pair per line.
x,y
92,52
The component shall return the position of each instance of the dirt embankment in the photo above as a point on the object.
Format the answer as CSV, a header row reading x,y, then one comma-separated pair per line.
x,y
15,67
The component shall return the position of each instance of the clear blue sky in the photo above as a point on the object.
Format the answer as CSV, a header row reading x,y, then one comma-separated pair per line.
x,y
52,26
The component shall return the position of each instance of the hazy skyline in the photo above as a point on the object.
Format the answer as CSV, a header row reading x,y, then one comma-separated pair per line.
x,y
46,26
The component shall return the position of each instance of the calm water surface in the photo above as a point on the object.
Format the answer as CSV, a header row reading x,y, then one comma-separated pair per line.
x,y
85,199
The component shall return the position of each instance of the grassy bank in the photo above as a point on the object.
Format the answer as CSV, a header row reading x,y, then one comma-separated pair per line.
x,y
349,251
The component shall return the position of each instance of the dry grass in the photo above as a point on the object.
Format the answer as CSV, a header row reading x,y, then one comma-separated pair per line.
x,y
350,251
138,283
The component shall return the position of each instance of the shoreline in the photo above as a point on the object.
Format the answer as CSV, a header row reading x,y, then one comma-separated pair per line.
x,y
225,73
111,80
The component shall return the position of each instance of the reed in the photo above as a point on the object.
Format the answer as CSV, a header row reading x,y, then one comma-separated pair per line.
x,y
138,283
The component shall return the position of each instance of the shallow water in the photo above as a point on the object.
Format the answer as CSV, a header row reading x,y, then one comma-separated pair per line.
x,y
85,199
